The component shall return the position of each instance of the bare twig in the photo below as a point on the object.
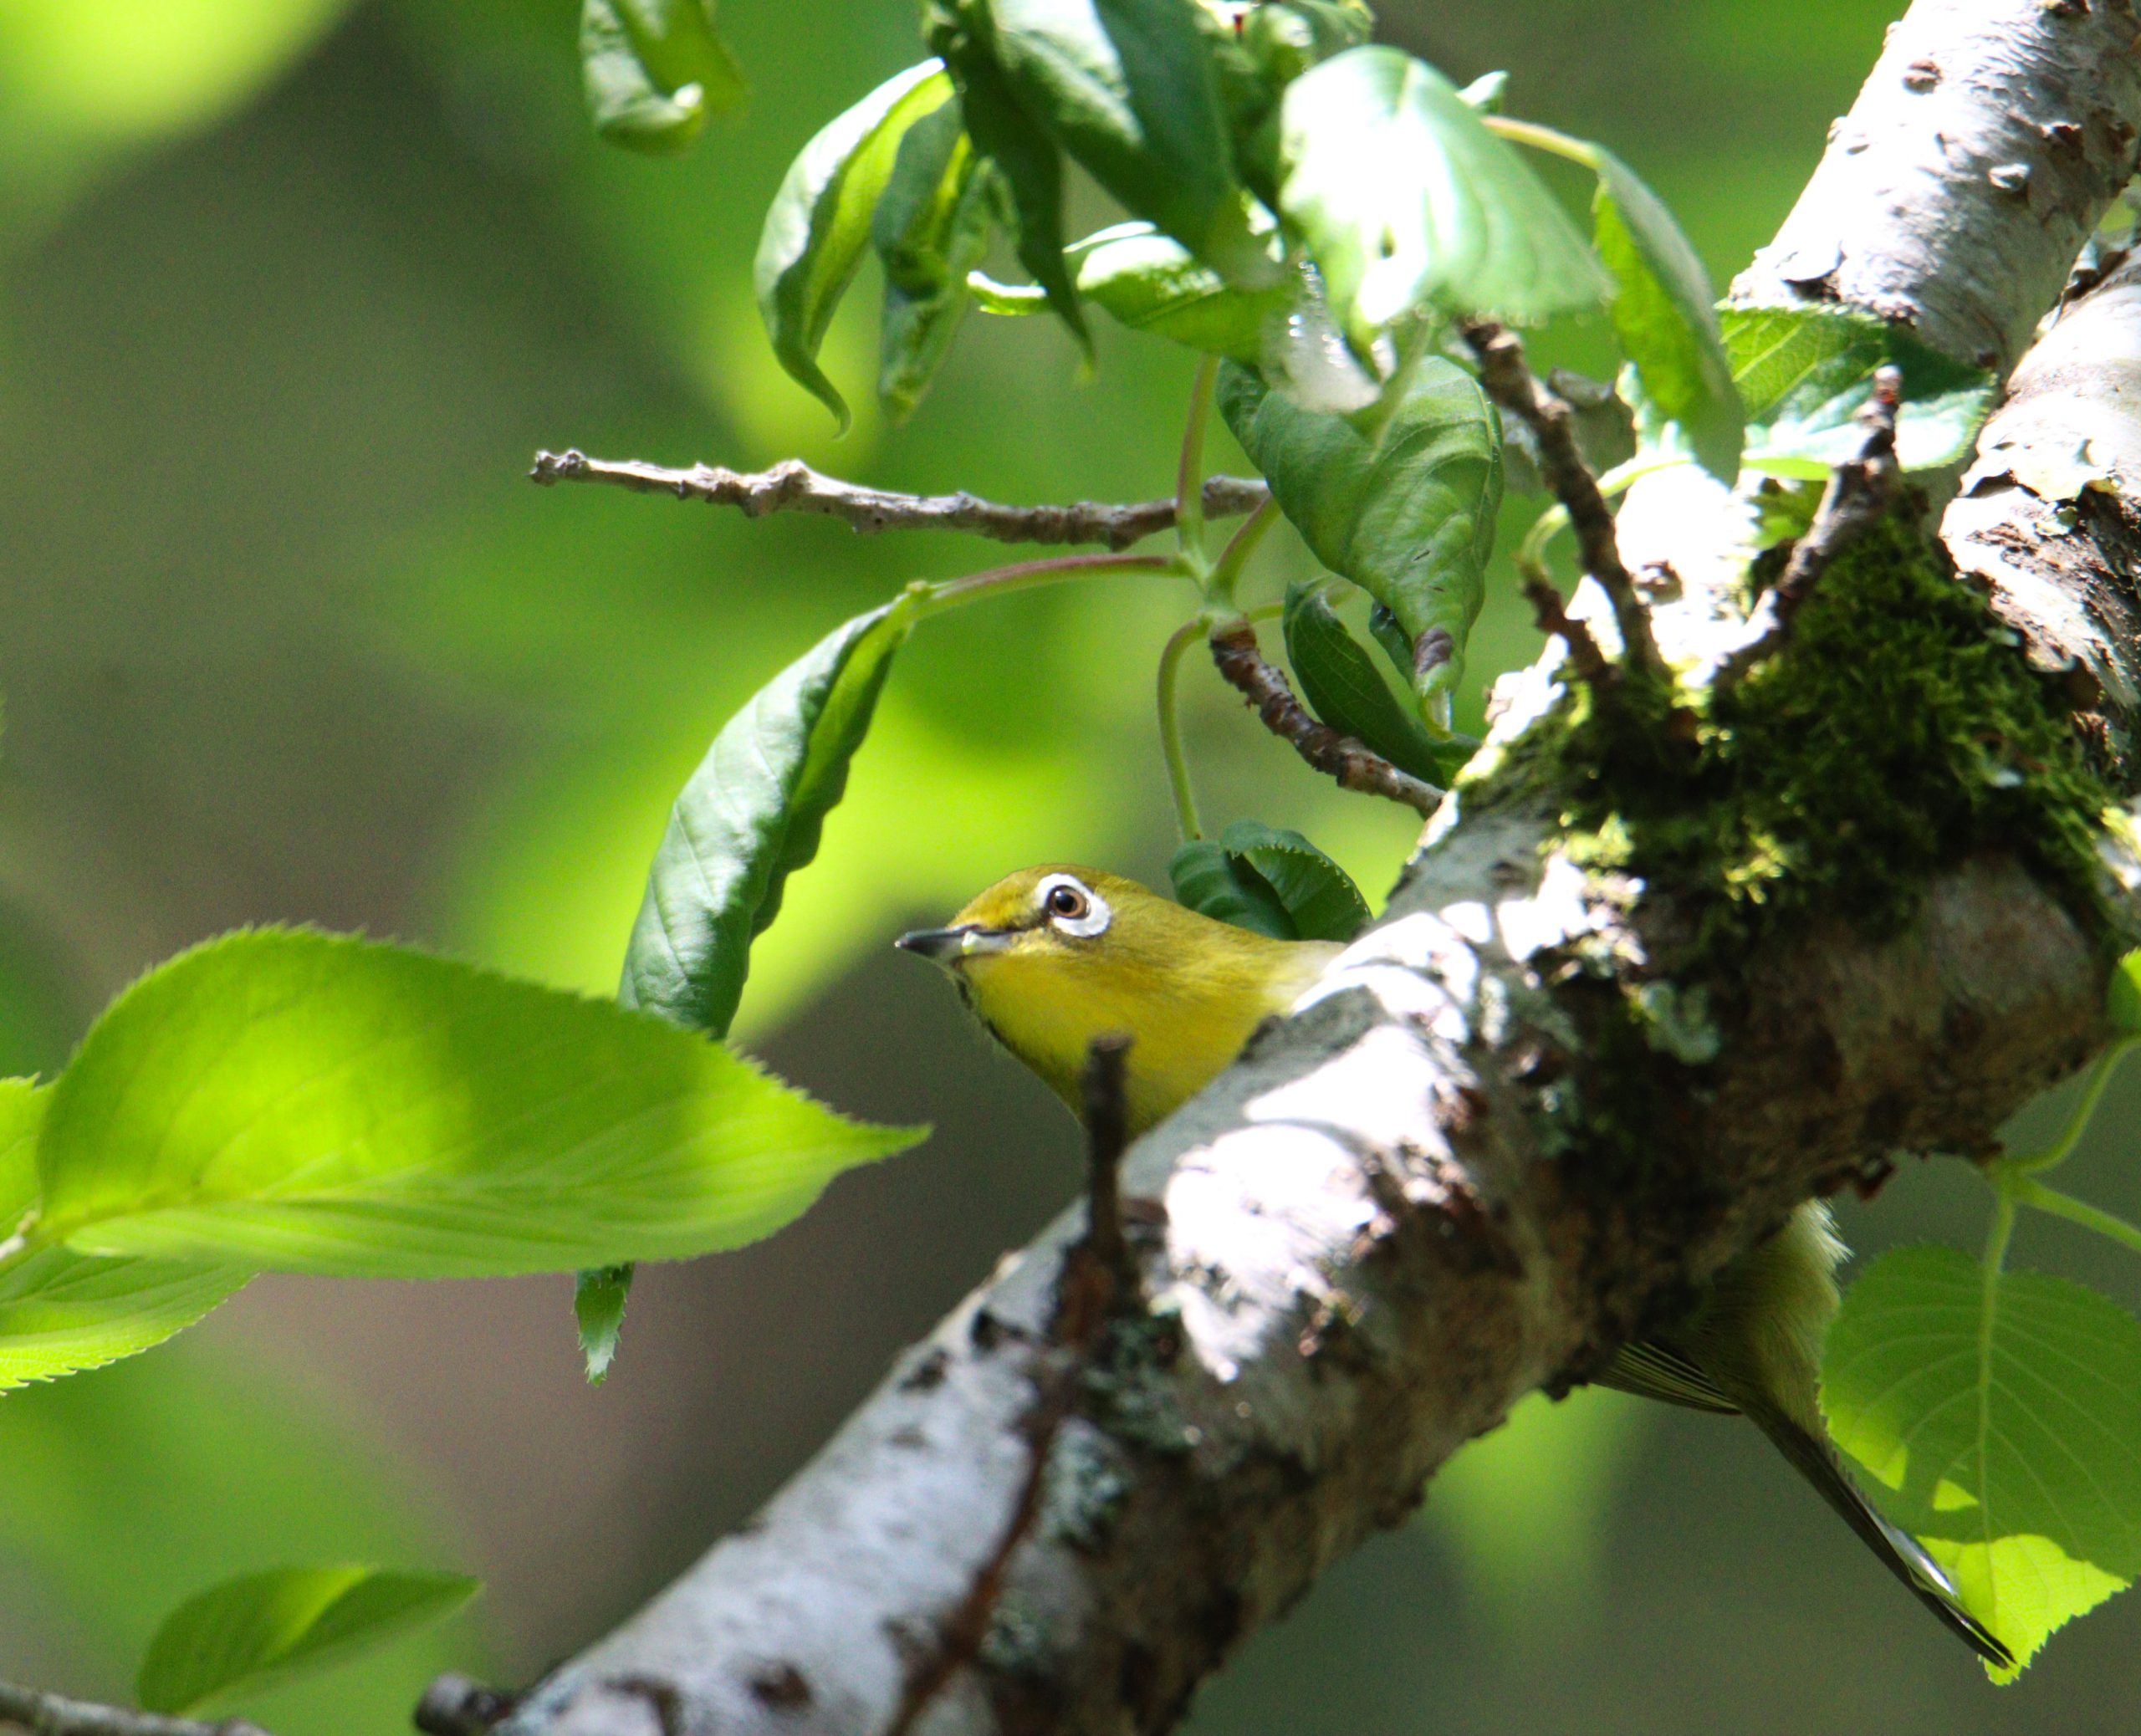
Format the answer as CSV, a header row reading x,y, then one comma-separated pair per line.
x,y
794,486
1860,490
1509,381
1352,763
1586,662
50,1714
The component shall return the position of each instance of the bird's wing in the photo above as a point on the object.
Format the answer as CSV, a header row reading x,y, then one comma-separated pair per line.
x,y
1651,1369
1900,1553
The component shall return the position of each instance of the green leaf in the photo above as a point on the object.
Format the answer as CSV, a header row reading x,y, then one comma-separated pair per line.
x,y
1803,373
1664,315
1409,516
598,1304
1269,880
1127,88
304,1102
653,71
820,222
930,229
1413,209
2025,1486
62,1312
749,817
2124,1002
249,1633
1344,688
1150,284
1017,145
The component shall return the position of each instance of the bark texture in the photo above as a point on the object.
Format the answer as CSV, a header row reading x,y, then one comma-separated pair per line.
x,y
1407,1205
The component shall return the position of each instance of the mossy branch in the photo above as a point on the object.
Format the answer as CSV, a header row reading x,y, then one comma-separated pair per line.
x,y
1860,490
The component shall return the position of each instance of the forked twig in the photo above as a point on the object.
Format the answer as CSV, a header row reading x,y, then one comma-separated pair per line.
x,y
1508,379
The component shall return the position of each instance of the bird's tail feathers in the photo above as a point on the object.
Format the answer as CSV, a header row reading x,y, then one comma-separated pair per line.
x,y
1901,1553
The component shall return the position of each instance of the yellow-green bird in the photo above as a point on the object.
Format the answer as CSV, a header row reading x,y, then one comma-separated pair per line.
x,y
1051,957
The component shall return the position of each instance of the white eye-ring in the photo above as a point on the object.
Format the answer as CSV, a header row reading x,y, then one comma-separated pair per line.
x,y
1072,907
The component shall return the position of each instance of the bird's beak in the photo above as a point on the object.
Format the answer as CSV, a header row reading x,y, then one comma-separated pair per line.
x,y
947,946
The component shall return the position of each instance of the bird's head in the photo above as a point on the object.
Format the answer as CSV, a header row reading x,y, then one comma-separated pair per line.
x,y
1052,957
1057,919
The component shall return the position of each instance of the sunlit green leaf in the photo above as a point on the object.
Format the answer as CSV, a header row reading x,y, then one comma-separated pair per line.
x,y
1409,516
653,70
62,1312
1150,284
819,223
1127,88
1413,209
1270,881
2025,1486
1344,688
930,228
750,816
1020,149
252,1632
1664,314
297,1101
1803,373
598,1304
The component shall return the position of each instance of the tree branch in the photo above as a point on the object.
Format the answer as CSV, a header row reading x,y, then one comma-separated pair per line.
x,y
1508,381
794,486
50,1714
1371,1238
1355,764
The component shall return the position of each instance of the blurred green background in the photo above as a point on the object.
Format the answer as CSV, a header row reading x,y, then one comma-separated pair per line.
x,y
290,292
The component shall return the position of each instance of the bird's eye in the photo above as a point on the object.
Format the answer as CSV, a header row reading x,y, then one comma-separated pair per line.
x,y
1066,900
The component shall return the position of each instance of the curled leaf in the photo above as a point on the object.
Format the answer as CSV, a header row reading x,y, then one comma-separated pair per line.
x,y
653,70
1407,516
930,229
819,223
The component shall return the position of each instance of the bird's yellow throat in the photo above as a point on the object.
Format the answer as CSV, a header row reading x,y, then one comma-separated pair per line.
x,y
1053,956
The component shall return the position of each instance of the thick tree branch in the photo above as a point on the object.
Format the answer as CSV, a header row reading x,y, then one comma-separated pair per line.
x,y
1954,196
1398,1212
794,486
50,1714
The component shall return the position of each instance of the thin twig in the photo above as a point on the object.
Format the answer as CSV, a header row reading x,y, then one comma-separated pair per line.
x,y
1509,381
1586,662
794,486
1353,763
50,1714
1860,490
1107,1132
